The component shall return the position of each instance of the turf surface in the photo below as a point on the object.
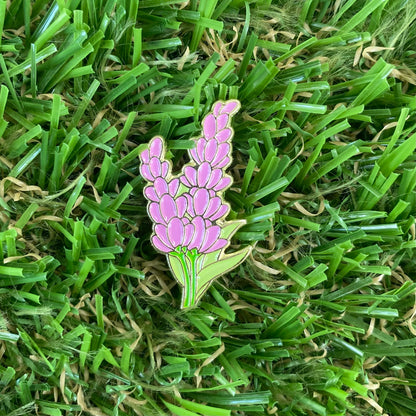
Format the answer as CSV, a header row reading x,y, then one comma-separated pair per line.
x,y
320,320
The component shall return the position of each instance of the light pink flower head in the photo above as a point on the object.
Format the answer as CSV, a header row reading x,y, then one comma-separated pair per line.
x,y
152,165
212,151
204,176
230,107
206,239
214,146
201,203
219,118
198,234
188,209
167,208
176,233
188,220
161,187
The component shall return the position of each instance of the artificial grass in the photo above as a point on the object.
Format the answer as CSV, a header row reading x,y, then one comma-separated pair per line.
x,y
320,320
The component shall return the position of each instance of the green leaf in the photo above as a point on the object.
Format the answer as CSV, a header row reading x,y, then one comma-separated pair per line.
x,y
176,268
222,266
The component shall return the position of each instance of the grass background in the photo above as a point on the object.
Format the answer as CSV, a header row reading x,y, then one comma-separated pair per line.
x,y
320,320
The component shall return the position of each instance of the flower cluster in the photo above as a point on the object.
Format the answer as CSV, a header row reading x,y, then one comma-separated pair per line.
x,y
186,209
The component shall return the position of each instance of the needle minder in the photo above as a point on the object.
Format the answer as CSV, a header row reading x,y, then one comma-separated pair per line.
x,y
188,210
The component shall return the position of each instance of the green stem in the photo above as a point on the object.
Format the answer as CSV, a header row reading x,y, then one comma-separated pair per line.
x,y
194,277
190,289
187,301
190,281
187,282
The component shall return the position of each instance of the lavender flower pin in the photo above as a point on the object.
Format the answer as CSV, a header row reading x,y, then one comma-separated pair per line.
x,y
188,210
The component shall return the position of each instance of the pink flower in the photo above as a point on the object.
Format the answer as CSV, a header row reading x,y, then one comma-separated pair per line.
x,y
152,167
205,177
161,187
194,235
167,208
212,151
206,236
188,221
213,124
188,209
176,233
218,119
155,150
200,203
230,107
213,146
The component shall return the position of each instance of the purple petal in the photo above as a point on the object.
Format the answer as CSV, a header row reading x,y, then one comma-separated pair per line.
x,y
204,172
200,201
144,156
215,178
223,183
230,107
194,152
173,186
216,109
209,126
222,151
150,194
190,174
181,205
223,135
208,223
159,245
190,205
211,236
194,155
145,172
199,233
161,187
222,121
213,206
200,147
175,232
154,212
211,150
217,245
221,212
161,231
185,181
156,146
223,162
189,232
165,169
155,166
168,207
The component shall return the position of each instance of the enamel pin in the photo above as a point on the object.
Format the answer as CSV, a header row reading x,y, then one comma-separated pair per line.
x,y
188,210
